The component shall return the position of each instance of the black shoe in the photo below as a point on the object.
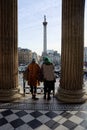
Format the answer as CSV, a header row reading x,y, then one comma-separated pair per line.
x,y
32,97
48,98
35,98
44,96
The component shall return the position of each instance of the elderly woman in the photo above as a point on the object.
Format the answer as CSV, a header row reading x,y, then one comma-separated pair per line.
x,y
47,70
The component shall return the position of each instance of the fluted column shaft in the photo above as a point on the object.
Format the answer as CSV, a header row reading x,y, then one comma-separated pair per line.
x,y
8,47
72,49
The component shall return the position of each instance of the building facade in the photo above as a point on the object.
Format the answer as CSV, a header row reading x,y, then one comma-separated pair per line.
x,y
24,56
54,56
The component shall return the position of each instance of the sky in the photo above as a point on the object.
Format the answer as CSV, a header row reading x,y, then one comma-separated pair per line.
x,y
30,24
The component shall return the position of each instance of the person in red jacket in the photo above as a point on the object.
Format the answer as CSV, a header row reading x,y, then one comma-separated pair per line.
x,y
33,77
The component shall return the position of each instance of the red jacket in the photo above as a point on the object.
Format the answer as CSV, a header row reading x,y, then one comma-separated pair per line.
x,y
33,74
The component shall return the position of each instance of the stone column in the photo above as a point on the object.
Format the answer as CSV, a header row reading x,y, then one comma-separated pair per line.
x,y
71,81
45,35
8,50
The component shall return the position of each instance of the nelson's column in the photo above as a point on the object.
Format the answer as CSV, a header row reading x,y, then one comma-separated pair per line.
x,y
44,37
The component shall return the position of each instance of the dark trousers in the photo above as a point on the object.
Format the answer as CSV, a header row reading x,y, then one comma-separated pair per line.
x,y
33,90
48,86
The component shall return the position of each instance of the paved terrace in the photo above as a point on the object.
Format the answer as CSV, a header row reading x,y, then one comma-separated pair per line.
x,y
29,114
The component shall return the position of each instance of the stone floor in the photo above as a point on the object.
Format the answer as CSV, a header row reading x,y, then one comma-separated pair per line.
x,y
29,114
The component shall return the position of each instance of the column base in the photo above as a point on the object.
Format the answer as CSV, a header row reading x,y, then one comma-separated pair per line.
x,y
9,95
75,96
